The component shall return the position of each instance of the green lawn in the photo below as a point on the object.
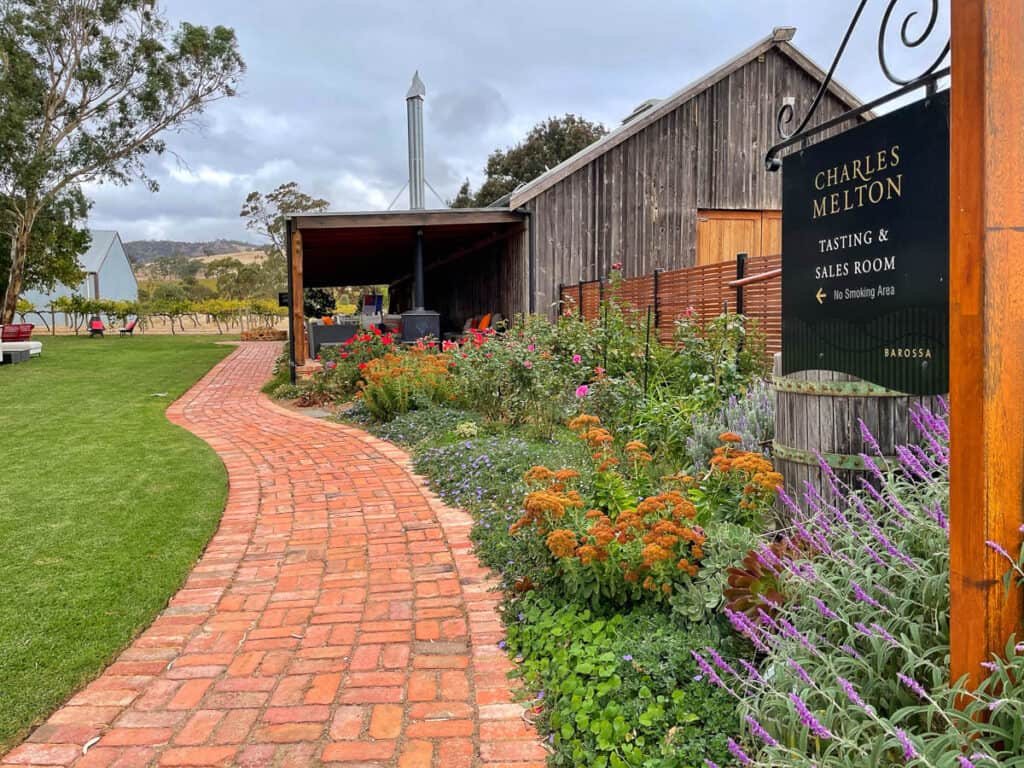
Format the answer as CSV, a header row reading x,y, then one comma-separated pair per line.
x,y
104,507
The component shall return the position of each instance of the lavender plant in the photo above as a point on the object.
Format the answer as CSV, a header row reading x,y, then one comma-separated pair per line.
x,y
751,416
853,662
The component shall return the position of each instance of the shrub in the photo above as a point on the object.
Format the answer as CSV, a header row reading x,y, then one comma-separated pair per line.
x,y
855,654
750,415
408,429
398,383
622,691
343,365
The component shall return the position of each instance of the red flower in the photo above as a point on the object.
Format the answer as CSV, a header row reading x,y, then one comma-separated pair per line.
x,y
362,366
617,266
376,330
386,339
344,355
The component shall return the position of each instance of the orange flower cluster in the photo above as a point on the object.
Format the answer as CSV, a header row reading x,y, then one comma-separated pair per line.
x,y
550,499
758,473
637,452
562,543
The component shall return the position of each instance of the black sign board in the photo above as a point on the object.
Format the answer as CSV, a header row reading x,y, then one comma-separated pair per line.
x,y
865,251
282,299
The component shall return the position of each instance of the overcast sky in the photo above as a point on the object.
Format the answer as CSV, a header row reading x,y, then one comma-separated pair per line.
x,y
322,102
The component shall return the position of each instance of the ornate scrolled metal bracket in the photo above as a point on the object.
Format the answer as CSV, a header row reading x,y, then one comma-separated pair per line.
x,y
926,79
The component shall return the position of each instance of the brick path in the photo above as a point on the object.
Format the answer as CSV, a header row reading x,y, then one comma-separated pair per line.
x,y
337,617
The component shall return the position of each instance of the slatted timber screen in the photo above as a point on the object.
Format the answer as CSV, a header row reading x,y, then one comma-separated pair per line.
x,y
703,290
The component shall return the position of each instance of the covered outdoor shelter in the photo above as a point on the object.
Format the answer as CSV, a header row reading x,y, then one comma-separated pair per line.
x,y
475,261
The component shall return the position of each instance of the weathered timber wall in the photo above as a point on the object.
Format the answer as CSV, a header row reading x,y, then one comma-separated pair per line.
x,y
637,203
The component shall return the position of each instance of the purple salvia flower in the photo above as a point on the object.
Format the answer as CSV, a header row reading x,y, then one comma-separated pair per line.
x,y
993,706
721,663
710,763
850,650
752,671
788,502
864,597
936,514
872,467
827,612
910,463
996,547
758,730
991,666
808,718
925,458
851,693
738,753
965,762
800,672
742,624
708,671
874,556
909,753
794,634
912,684
868,438
883,633
862,628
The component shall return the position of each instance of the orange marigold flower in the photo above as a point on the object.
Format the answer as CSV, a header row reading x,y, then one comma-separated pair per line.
x,y
635,445
593,514
666,588
649,584
631,576
561,543
607,464
564,475
730,437
586,554
697,552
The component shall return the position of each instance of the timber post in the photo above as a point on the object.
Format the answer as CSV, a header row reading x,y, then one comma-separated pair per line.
x,y
741,268
297,301
986,316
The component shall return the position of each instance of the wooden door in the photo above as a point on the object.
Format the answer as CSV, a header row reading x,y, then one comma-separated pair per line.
x,y
723,234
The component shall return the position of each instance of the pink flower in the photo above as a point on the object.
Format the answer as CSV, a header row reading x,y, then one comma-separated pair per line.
x,y
531,347
617,266
330,365
577,359
582,391
599,370
527,364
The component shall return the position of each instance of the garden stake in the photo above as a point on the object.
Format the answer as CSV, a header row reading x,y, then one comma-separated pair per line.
x,y
647,351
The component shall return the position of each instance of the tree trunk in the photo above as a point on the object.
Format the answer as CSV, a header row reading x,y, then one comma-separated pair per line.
x,y
16,277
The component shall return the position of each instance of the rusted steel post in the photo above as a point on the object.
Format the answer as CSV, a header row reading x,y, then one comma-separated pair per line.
x,y
986,322
298,300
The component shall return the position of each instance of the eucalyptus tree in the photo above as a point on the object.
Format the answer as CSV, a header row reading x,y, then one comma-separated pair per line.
x,y
88,89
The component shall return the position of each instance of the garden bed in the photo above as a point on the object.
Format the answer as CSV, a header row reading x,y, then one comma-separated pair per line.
x,y
660,609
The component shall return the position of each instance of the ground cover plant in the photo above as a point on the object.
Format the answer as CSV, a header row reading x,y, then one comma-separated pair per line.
x,y
104,508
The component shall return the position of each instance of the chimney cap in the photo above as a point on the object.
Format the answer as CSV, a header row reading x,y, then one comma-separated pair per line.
x,y
417,90
783,34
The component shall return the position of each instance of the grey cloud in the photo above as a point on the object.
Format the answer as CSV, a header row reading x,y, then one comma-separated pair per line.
x,y
323,99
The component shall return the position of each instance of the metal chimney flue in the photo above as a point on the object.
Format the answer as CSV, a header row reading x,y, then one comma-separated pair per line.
x,y
414,109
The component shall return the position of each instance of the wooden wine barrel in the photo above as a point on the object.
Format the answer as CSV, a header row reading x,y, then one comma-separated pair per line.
x,y
818,411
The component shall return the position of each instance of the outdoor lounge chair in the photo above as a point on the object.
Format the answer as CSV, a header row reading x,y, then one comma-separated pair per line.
x,y
129,329
96,327
21,333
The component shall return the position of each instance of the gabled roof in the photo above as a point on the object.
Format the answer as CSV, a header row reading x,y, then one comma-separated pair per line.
x,y
778,39
102,241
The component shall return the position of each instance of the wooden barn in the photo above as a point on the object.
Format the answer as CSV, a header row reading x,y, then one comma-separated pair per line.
x,y
681,182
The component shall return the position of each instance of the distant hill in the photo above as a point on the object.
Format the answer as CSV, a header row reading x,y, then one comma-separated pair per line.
x,y
144,251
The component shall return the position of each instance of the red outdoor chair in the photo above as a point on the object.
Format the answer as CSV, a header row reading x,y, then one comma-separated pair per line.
x,y
96,327
129,328
17,332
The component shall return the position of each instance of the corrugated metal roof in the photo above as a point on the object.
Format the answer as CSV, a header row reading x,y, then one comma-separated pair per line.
x,y
102,240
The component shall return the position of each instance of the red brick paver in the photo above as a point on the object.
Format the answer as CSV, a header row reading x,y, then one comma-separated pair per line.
x,y
337,617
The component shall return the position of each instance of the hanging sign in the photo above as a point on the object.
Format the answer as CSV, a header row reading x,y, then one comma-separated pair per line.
x,y
865,251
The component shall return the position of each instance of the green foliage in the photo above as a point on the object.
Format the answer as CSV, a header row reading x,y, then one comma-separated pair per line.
x,y
546,145
411,428
318,302
398,383
750,415
265,213
619,691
